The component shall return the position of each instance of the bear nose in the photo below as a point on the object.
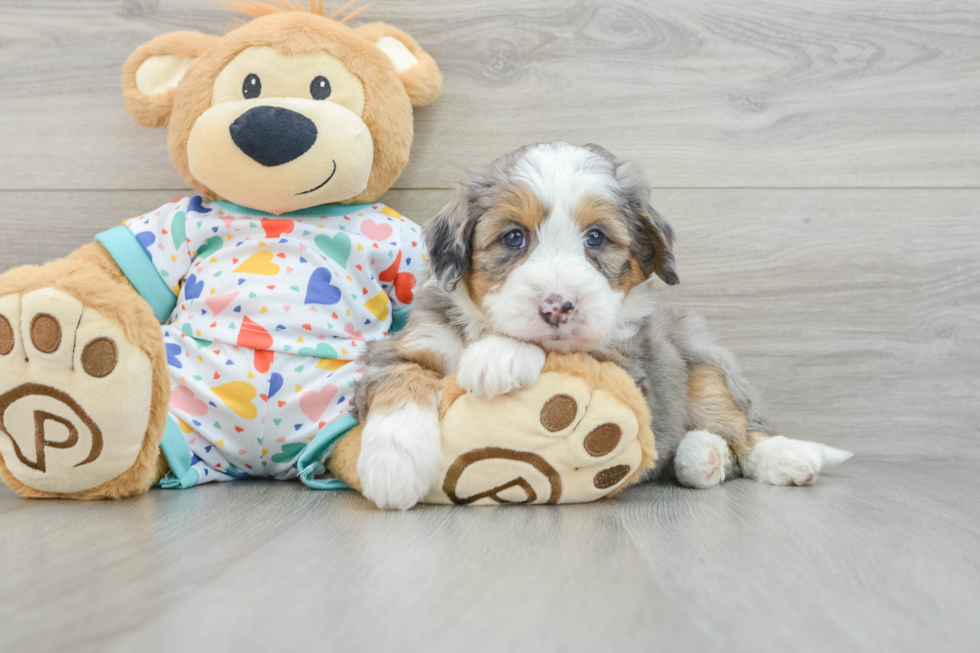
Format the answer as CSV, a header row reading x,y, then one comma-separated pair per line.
x,y
557,309
273,136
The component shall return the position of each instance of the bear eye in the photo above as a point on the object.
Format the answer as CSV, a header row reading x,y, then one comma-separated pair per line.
x,y
320,88
514,239
252,87
594,238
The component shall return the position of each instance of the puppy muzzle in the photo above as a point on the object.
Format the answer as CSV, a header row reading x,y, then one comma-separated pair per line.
x,y
557,309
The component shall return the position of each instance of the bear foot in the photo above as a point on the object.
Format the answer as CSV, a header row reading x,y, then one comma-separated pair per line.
x,y
75,399
569,438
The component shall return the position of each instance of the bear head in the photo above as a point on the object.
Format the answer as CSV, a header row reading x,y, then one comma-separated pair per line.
x,y
288,111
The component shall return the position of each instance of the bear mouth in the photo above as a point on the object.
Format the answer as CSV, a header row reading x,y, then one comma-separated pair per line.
x,y
324,183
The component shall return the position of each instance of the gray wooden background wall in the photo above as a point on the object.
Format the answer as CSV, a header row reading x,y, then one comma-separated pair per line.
x,y
820,161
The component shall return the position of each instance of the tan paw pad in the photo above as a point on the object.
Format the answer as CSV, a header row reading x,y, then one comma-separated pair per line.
x,y
562,440
74,393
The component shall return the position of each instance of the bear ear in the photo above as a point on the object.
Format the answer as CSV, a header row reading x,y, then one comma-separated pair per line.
x,y
151,74
417,70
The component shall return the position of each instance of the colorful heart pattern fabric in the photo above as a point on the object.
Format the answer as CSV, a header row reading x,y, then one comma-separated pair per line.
x,y
271,313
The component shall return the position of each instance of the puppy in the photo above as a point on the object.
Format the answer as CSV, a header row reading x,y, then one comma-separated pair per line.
x,y
554,248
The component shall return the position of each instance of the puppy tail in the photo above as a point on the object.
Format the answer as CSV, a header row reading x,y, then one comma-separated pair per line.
x,y
833,456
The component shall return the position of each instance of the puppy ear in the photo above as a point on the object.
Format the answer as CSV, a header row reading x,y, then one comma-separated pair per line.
x,y
448,237
151,74
653,243
416,69
652,236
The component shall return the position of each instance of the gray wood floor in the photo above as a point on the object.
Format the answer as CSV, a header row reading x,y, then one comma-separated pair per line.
x,y
820,162
880,556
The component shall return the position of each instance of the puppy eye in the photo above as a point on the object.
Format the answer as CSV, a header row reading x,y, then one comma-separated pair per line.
x,y
594,238
514,239
320,88
252,87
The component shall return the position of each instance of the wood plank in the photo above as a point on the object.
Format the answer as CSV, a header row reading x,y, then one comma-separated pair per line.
x,y
273,566
704,94
856,312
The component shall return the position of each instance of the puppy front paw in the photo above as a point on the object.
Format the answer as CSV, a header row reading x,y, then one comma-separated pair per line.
x,y
495,366
399,455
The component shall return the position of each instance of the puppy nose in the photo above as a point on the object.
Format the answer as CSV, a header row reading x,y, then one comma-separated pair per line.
x,y
273,136
557,309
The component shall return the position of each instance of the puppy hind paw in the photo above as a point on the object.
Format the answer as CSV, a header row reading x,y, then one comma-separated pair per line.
x,y
702,460
782,461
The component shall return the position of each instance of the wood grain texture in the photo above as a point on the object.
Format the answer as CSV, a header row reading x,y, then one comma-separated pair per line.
x,y
878,556
703,93
855,312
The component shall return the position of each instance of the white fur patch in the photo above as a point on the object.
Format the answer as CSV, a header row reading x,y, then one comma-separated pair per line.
x,y
399,455
475,319
637,306
495,366
561,174
781,461
701,459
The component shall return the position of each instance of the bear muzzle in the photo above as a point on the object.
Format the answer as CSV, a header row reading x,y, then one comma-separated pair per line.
x,y
280,154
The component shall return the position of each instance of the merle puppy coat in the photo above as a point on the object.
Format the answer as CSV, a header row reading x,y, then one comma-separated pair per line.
x,y
556,248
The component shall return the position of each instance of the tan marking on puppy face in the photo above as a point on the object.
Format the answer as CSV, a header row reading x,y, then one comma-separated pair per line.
x,y
405,384
613,258
597,211
491,260
515,205
631,279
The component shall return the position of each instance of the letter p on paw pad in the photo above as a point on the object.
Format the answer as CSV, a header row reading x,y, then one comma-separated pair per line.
x,y
578,434
75,394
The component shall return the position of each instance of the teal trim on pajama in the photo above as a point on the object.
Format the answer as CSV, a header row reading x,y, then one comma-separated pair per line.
x,y
311,460
178,456
132,259
321,211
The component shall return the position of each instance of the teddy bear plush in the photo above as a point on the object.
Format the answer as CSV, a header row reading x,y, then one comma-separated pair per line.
x,y
216,337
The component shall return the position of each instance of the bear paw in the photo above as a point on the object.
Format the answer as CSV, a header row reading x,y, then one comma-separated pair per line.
x,y
75,393
562,440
